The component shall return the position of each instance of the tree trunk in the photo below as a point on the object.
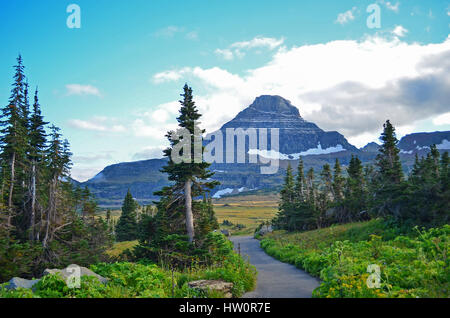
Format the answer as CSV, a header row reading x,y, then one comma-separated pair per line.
x,y
189,215
33,200
11,188
50,211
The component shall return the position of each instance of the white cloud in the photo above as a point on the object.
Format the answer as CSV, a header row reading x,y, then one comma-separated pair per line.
x,y
98,123
168,32
346,17
393,7
399,31
82,174
172,30
390,5
349,86
238,49
443,119
227,54
89,158
192,35
156,122
149,153
270,43
168,76
78,89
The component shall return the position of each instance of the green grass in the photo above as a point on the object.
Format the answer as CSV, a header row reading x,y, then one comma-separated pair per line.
x,y
413,265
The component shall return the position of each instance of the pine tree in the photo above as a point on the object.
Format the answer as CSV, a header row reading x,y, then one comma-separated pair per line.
x,y
354,193
288,191
13,142
126,229
38,139
327,181
390,193
325,195
190,177
58,165
338,182
311,187
388,160
300,182
287,197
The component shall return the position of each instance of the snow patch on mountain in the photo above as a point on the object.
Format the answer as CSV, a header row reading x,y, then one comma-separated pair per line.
x,y
272,154
222,192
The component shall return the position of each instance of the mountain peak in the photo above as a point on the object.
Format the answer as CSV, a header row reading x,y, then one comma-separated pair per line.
x,y
274,104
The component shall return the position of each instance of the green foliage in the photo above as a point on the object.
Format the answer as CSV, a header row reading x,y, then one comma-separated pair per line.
x,y
413,265
175,250
40,225
127,228
130,280
423,199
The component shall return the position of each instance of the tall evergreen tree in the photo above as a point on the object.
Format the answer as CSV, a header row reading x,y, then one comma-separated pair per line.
x,y
300,182
13,142
287,197
338,181
126,228
388,160
38,139
193,174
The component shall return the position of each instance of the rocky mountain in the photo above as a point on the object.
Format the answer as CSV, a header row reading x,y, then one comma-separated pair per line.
x,y
298,137
141,177
370,147
418,142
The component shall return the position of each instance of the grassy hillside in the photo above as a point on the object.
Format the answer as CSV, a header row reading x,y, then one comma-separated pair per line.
x,y
413,265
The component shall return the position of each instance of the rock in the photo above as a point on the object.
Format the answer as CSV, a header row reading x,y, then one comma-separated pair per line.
x,y
72,269
213,285
225,232
18,282
265,229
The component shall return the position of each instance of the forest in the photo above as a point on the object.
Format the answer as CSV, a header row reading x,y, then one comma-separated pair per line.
x,y
47,222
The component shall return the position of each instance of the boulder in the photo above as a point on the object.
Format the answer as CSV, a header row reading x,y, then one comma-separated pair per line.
x,y
18,282
265,229
72,269
225,232
213,285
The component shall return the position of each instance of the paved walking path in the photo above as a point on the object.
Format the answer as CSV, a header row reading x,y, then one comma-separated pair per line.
x,y
275,279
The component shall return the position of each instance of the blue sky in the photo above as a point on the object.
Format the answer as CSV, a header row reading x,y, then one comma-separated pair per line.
x,y
112,85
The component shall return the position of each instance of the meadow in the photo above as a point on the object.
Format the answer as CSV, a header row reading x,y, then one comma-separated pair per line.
x,y
248,210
